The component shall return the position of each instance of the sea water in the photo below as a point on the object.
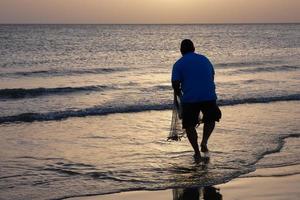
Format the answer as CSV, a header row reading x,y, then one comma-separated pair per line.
x,y
85,109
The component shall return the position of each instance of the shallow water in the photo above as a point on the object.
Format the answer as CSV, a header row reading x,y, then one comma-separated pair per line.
x,y
121,152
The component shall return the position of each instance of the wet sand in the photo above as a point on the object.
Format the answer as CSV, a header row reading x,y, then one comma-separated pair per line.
x,y
77,157
277,177
257,185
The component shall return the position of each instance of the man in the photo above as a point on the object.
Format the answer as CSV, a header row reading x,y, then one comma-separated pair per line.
x,y
193,80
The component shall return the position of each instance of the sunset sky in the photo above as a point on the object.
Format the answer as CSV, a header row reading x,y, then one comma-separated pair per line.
x,y
149,11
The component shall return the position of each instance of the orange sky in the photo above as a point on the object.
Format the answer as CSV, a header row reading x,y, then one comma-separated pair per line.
x,y
149,11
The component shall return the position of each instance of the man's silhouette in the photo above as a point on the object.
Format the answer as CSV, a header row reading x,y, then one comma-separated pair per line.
x,y
193,80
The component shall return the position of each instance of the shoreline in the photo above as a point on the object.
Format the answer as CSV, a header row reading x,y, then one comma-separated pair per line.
x,y
255,185
285,187
268,157
277,181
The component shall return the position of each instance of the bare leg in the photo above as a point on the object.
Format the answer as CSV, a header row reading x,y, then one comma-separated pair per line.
x,y
207,130
193,138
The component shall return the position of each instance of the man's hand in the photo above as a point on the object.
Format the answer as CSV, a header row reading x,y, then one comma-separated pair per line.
x,y
176,87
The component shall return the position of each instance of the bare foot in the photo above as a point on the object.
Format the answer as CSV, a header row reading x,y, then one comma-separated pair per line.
x,y
204,148
197,156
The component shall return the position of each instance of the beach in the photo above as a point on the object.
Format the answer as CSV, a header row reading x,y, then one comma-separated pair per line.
x,y
267,188
74,155
86,111
280,183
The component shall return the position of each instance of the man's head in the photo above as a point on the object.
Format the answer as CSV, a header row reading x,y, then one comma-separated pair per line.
x,y
187,46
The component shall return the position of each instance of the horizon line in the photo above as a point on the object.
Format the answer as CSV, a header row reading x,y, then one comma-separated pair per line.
x,y
227,23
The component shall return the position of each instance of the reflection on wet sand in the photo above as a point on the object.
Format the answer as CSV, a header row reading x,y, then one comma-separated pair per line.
x,y
195,193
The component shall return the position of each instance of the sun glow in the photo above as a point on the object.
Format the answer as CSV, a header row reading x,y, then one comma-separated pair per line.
x,y
148,11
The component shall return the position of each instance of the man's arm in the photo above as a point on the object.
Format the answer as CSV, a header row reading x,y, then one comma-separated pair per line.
x,y
176,87
176,79
213,73
212,69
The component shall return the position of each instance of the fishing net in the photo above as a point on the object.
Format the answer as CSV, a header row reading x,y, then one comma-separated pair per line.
x,y
176,131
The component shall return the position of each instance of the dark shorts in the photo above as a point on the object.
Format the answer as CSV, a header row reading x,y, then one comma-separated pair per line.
x,y
191,111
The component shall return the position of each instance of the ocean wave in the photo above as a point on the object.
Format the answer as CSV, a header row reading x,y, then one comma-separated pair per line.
x,y
17,93
266,69
26,62
105,110
57,72
245,64
291,97
272,175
